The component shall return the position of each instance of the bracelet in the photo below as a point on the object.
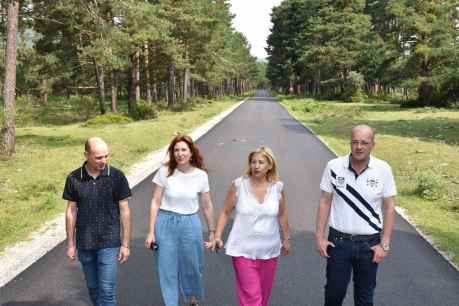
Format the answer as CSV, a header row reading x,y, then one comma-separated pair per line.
x,y
287,237
211,231
125,246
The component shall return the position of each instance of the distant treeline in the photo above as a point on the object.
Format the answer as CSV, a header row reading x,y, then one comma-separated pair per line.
x,y
348,48
150,50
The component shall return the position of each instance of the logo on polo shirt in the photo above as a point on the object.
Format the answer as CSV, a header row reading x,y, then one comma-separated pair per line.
x,y
340,182
372,182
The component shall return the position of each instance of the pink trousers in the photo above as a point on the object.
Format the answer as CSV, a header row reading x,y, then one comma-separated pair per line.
x,y
254,280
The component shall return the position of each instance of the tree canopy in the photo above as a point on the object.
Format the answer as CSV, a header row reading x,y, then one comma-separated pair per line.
x,y
338,48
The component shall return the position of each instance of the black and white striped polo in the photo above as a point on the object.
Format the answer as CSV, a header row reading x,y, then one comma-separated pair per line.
x,y
357,200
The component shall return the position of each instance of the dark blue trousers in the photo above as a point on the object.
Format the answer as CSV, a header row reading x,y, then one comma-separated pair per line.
x,y
350,256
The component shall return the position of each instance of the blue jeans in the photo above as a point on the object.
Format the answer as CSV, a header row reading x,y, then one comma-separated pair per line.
x,y
350,256
100,267
180,256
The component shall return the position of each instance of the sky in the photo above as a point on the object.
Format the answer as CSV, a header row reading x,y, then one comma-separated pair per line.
x,y
252,18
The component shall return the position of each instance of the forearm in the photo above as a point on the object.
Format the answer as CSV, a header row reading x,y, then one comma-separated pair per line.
x,y
283,218
126,227
323,214
285,227
70,223
389,220
125,216
209,215
222,219
154,208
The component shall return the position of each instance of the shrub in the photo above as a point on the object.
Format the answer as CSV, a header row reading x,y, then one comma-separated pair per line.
x,y
428,185
353,87
143,110
110,118
85,105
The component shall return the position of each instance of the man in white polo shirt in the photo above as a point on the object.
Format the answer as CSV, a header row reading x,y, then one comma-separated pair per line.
x,y
358,201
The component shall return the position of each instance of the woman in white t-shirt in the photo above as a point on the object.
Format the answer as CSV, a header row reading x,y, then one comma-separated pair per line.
x,y
175,231
254,242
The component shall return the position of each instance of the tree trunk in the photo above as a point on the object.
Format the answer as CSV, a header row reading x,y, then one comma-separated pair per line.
x,y
114,92
171,95
134,96
100,77
44,91
186,80
9,90
137,76
186,85
147,74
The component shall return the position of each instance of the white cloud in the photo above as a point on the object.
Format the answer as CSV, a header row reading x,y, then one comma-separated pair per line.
x,y
252,18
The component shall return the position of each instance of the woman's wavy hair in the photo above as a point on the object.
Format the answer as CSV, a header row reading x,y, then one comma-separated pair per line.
x,y
271,175
196,156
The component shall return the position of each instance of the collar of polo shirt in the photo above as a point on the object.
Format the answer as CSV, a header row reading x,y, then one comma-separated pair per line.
x,y
105,172
347,162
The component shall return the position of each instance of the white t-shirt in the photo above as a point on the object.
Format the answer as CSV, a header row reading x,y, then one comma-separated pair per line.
x,y
255,231
181,190
356,206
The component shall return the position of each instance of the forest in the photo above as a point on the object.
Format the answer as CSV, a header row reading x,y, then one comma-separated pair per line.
x,y
105,51
352,49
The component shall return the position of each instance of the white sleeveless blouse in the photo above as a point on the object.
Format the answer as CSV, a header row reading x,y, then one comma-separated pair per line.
x,y
255,231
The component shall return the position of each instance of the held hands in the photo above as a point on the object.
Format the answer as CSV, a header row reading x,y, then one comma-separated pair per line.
x,y
322,245
214,245
378,253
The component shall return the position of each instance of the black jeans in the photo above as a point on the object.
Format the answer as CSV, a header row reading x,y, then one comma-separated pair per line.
x,y
350,255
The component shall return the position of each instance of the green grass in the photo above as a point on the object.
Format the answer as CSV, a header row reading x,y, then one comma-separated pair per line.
x,y
421,145
48,148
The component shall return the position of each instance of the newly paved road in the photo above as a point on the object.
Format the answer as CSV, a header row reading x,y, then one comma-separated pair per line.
x,y
415,275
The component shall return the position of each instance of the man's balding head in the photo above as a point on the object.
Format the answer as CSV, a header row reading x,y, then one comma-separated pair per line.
x,y
365,130
96,153
94,142
362,142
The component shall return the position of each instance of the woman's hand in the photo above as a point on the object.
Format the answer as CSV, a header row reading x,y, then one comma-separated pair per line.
x,y
149,240
285,247
214,245
210,243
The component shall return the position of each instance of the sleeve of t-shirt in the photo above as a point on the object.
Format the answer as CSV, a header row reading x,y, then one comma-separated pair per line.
x,y
204,183
69,191
122,190
160,177
390,189
325,182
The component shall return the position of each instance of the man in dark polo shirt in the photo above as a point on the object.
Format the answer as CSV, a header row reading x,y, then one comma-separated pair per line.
x,y
98,221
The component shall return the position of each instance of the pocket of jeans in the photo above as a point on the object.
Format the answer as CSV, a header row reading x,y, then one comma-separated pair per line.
x,y
371,243
336,241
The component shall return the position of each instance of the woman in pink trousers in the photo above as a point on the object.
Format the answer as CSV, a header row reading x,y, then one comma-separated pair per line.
x,y
254,242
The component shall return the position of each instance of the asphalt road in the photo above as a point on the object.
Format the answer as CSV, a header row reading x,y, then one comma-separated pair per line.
x,y
414,275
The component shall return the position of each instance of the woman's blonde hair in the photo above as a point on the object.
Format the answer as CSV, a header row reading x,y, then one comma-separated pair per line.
x,y
271,175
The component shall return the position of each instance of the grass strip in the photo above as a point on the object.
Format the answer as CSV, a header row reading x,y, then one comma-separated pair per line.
x,y
421,145
31,182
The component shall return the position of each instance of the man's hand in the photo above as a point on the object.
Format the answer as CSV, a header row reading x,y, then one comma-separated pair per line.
x,y
123,254
378,253
71,253
322,245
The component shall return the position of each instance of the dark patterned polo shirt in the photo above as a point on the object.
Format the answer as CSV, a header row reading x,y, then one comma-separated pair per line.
x,y
98,212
